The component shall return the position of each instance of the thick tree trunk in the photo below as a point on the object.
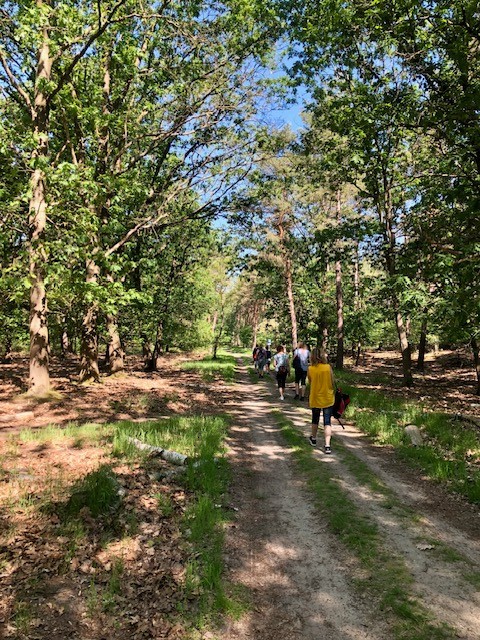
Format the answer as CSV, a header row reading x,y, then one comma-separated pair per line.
x,y
116,354
339,297
422,345
89,348
476,361
39,377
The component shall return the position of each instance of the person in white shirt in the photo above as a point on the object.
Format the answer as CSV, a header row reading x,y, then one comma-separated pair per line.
x,y
301,359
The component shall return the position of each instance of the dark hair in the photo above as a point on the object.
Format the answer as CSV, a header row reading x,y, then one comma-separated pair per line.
x,y
279,348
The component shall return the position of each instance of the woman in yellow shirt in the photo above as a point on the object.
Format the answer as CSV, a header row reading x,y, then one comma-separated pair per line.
x,y
322,395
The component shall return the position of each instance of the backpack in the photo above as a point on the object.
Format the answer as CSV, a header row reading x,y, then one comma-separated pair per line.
x,y
342,400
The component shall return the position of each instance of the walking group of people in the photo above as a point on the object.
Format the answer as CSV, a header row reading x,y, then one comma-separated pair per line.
x,y
312,366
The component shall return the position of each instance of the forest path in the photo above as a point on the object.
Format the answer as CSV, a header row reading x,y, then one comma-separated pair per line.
x,y
299,574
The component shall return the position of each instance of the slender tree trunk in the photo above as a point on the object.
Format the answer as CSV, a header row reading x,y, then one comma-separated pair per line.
x,y
255,318
157,349
65,345
116,354
218,334
39,377
476,361
214,322
339,296
287,266
405,350
291,301
89,348
422,345
357,347
391,268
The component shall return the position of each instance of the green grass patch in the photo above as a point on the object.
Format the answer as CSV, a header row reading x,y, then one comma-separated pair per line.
x,y
80,434
449,444
98,491
386,577
184,434
223,366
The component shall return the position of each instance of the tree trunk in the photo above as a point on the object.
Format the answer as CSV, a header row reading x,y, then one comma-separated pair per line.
x,y
89,348
390,260
476,361
116,354
147,352
291,301
214,322
39,377
422,345
218,334
255,324
157,349
405,350
339,297
64,343
357,347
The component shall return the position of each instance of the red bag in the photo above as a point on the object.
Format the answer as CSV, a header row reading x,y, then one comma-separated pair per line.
x,y
342,400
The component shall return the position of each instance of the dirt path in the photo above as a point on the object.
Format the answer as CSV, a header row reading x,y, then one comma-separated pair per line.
x,y
299,573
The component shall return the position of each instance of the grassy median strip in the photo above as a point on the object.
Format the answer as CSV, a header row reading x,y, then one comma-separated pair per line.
x,y
451,448
384,575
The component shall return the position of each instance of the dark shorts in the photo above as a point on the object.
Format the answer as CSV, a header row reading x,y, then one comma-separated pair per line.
x,y
281,380
327,415
300,376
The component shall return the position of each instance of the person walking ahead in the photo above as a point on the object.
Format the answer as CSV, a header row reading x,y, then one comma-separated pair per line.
x,y
282,368
322,395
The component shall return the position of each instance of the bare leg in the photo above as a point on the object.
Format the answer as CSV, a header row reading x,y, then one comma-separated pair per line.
x,y
314,430
328,434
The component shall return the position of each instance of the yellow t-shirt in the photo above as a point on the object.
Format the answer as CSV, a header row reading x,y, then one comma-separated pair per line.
x,y
321,387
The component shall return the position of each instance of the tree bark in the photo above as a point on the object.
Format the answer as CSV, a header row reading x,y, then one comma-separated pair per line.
x,y
218,333
422,345
287,272
357,347
339,297
291,301
390,261
39,376
476,361
405,350
255,324
89,348
116,354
